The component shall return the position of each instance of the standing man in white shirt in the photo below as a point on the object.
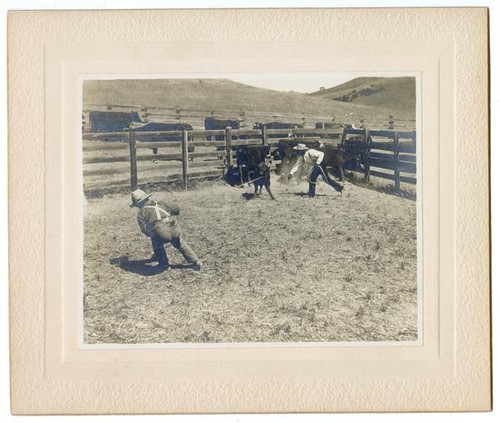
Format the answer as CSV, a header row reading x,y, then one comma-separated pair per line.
x,y
313,159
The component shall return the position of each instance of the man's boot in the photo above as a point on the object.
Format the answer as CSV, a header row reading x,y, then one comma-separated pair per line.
x,y
161,257
312,190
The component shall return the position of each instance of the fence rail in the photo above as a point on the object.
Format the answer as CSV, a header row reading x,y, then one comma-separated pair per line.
x,y
381,150
385,154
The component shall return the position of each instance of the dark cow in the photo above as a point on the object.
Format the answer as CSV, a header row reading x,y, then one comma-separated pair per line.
x,y
213,124
277,125
251,167
112,121
337,160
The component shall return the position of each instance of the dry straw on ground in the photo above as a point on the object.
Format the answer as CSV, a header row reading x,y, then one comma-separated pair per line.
x,y
332,268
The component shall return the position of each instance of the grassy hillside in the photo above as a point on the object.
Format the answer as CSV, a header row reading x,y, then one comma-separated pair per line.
x,y
397,94
198,98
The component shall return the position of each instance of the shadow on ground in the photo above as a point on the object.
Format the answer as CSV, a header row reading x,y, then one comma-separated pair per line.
x,y
143,267
248,195
386,189
305,194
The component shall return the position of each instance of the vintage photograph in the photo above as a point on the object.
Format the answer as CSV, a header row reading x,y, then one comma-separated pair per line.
x,y
251,211
250,208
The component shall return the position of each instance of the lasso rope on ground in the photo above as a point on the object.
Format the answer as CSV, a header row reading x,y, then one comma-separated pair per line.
x,y
249,182
217,247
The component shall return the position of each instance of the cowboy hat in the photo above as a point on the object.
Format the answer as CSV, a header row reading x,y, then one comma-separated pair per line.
x,y
139,196
300,146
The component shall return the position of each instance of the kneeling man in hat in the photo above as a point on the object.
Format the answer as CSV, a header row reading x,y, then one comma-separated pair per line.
x,y
313,159
156,220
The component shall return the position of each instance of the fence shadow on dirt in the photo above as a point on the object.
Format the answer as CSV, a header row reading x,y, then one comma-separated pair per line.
x,y
408,193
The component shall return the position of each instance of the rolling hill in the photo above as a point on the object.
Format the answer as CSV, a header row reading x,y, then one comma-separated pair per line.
x,y
194,99
397,94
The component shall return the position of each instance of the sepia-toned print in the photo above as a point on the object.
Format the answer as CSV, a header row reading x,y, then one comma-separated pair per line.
x,y
250,208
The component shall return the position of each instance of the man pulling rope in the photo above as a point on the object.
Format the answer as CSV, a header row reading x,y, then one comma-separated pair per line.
x,y
156,220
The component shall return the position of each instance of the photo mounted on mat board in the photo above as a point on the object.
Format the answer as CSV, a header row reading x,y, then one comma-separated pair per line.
x,y
369,295
250,208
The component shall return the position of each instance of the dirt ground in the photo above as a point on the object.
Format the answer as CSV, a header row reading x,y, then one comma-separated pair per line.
x,y
333,268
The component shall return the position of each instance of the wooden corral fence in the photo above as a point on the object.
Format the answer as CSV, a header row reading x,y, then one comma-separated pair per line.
x,y
118,159
131,159
384,154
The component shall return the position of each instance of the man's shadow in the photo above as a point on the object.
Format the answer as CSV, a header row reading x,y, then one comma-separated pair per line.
x,y
144,267
304,194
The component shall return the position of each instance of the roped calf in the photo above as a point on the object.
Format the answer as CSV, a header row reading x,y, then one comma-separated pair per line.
x,y
251,167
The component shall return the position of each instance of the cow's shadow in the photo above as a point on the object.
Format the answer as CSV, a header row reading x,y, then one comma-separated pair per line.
x,y
144,267
248,195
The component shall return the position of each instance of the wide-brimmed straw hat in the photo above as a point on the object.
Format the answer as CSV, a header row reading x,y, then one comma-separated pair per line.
x,y
139,196
300,146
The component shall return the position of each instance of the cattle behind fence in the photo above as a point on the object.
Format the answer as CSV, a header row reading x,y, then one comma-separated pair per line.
x,y
196,117
385,154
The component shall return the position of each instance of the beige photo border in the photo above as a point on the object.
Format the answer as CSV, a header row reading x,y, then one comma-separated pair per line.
x,y
48,54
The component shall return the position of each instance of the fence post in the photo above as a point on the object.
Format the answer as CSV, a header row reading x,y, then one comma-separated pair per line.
x,y
133,160
343,136
229,151
366,155
185,156
397,180
264,134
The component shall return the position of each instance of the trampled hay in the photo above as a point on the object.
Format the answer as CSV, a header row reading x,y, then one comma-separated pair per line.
x,y
332,268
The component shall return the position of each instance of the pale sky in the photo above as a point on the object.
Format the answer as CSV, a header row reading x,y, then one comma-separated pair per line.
x,y
304,82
